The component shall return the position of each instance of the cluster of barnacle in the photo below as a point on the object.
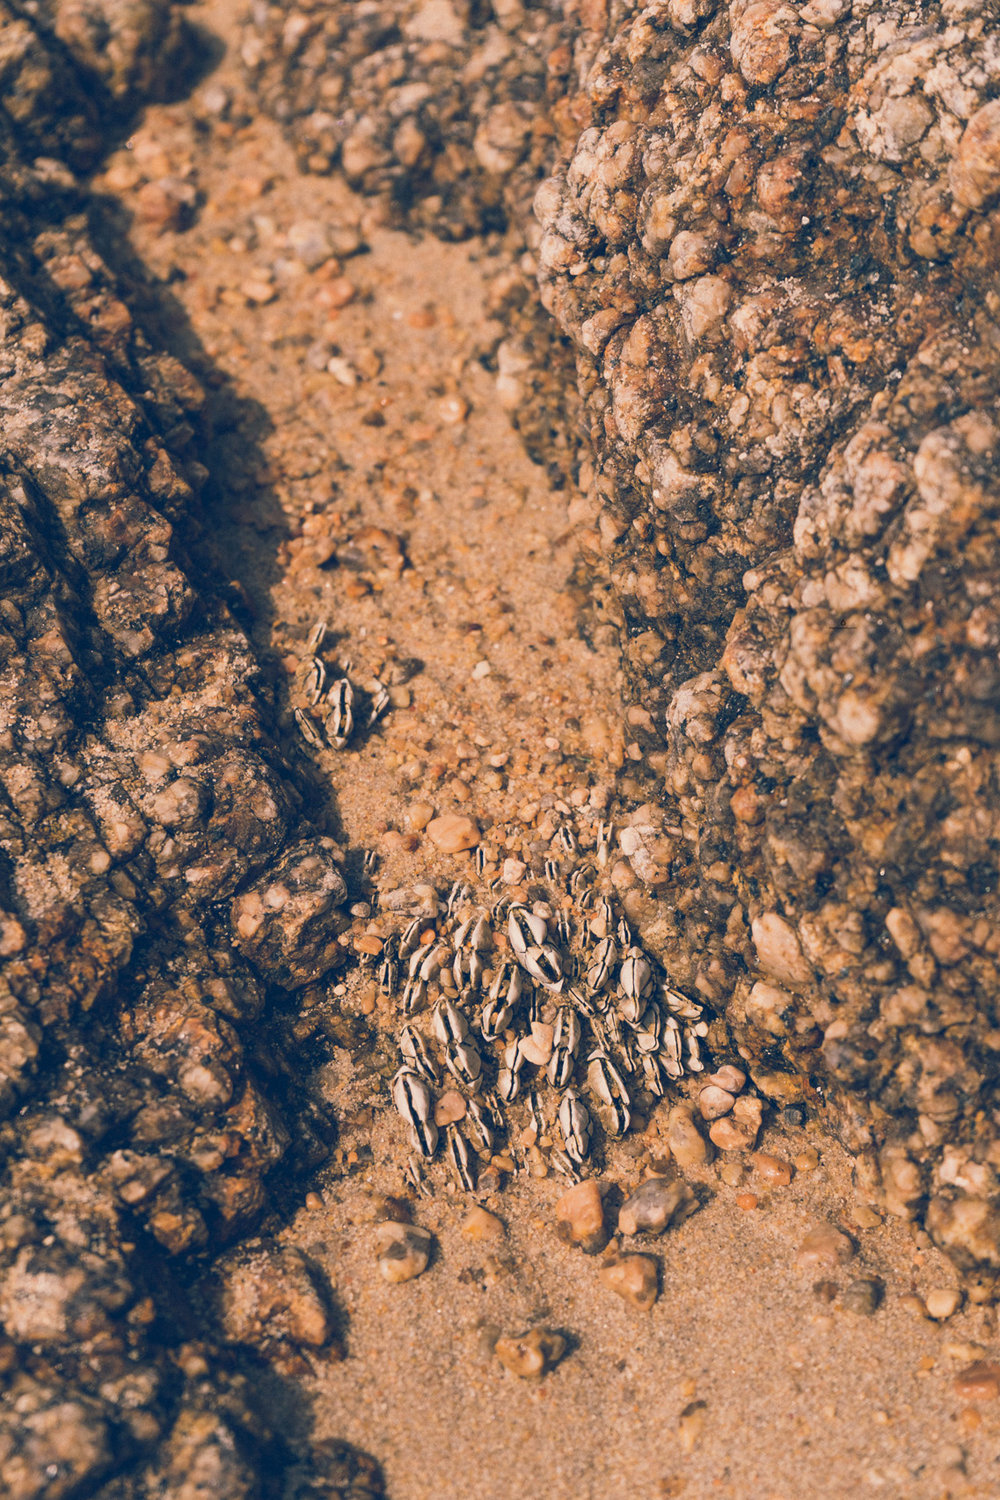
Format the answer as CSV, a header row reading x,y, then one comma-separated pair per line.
x,y
562,1009
328,709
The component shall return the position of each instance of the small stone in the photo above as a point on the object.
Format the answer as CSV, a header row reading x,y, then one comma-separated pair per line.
x,y
537,1048
714,1102
404,1250
807,1160
747,1201
580,1217
453,832
449,1108
913,1304
728,1136
824,1249
687,1144
943,1302
748,1113
731,1173
531,1354
772,1169
656,1205
479,1224
418,815
728,1077
690,1425
979,1381
512,871
635,1278
862,1296
794,1116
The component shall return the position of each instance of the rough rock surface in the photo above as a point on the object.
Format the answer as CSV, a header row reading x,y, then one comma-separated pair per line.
x,y
770,232
139,791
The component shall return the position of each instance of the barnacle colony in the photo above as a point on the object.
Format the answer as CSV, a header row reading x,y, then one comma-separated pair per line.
x,y
552,1007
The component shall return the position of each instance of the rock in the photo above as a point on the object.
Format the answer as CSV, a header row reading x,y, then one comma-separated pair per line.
x,y
729,1136
289,923
580,1217
728,1077
773,1170
687,1144
479,1224
532,1354
449,1108
714,1102
979,1381
453,832
634,1278
748,1116
863,1296
404,1250
273,1293
943,1302
824,1249
657,1204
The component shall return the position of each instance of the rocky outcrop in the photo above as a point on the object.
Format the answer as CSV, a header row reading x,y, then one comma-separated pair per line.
x,y
769,231
140,791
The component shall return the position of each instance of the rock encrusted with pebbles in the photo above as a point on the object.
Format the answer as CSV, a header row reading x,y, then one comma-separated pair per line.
x,y
770,233
140,794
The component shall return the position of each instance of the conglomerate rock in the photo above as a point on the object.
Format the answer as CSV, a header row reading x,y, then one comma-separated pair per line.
x,y
770,231
139,791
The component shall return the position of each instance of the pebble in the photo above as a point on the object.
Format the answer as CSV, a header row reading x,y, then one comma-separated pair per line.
x,y
580,1217
418,815
449,1108
772,1169
687,1144
979,1381
747,1201
748,1112
655,1206
532,1353
537,1048
714,1102
453,832
731,1173
404,1250
728,1077
862,1296
635,1278
807,1160
824,1249
943,1302
480,1224
728,1136
690,1425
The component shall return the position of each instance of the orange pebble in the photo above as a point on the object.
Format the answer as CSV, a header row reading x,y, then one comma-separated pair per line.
x,y
747,1200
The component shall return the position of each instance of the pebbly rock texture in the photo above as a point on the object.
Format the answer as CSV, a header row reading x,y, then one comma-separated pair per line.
x,y
140,794
770,232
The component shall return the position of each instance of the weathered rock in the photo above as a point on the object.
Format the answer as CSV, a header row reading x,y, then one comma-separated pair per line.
x,y
634,1278
656,1205
404,1250
271,1294
580,1217
532,1354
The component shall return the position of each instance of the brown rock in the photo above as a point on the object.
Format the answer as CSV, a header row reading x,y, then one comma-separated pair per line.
x,y
268,1294
687,1144
580,1217
635,1278
773,1170
453,832
532,1354
479,1224
979,1381
824,1249
404,1250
